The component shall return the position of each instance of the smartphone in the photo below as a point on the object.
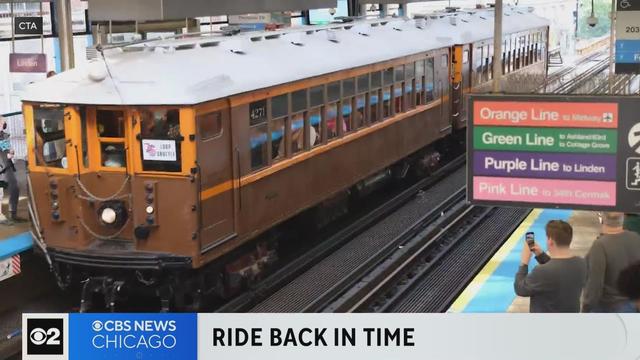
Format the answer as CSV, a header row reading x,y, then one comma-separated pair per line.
x,y
530,238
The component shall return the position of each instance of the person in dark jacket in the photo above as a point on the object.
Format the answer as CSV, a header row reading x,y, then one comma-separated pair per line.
x,y
632,223
629,283
556,283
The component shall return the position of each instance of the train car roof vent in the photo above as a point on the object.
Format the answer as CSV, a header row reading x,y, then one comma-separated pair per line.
x,y
451,9
230,30
209,43
295,38
453,20
421,23
344,19
332,36
362,29
235,46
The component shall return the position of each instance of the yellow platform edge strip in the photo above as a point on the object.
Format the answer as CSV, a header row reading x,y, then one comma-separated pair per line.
x,y
476,284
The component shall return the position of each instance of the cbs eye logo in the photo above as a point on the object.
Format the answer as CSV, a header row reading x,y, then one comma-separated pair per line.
x,y
45,336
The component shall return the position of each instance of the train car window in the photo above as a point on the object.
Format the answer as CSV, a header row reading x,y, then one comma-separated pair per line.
x,y
374,105
209,125
409,71
399,73
348,87
387,76
333,119
316,96
361,108
297,132
299,100
277,131
429,76
258,145
386,102
333,91
49,136
363,83
348,119
465,57
315,121
161,137
445,61
110,123
376,80
420,90
110,126
279,106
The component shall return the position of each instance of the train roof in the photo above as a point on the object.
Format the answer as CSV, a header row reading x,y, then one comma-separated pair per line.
x,y
202,68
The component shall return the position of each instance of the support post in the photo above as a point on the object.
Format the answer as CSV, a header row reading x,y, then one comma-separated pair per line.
x,y
497,47
65,33
612,45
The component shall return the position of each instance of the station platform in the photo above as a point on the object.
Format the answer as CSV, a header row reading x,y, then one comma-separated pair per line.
x,y
491,290
14,240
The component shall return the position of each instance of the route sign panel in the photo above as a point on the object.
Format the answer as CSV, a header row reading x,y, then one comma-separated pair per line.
x,y
576,152
627,37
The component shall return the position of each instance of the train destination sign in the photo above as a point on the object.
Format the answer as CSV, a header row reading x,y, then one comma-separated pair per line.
x,y
561,152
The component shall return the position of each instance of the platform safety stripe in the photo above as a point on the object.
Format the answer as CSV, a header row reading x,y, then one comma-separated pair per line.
x,y
476,284
15,264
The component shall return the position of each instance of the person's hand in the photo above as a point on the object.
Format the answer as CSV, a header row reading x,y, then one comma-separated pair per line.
x,y
536,249
525,256
10,155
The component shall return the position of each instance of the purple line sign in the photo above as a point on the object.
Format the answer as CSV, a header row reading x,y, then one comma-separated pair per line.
x,y
547,166
28,63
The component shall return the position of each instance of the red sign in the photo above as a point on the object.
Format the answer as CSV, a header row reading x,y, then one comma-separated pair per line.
x,y
28,63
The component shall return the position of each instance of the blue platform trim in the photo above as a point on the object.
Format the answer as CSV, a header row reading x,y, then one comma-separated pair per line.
x,y
497,294
15,245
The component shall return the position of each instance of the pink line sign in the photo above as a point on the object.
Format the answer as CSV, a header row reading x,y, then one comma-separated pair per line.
x,y
589,193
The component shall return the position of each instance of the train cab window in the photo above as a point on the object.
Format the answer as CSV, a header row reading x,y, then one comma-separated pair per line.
x,y
316,115
420,82
279,112
334,117
209,125
375,96
50,144
110,127
161,139
429,78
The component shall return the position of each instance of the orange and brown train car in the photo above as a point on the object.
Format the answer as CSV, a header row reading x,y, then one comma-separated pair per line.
x,y
156,161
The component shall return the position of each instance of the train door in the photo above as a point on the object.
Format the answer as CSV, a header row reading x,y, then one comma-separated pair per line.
x,y
443,91
461,84
215,162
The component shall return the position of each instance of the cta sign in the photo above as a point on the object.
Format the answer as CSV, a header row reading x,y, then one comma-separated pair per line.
x,y
27,26
550,151
28,63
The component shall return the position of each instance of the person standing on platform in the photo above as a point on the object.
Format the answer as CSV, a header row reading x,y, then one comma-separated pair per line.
x,y
614,250
8,169
554,285
629,283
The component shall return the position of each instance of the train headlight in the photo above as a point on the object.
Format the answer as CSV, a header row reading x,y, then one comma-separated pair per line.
x,y
108,215
149,209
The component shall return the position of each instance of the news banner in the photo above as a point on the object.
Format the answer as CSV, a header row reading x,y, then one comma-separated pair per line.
x,y
189,336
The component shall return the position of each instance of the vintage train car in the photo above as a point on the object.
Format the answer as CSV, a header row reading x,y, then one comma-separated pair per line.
x,y
157,160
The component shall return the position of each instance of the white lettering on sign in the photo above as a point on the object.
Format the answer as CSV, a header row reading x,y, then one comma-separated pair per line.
x,y
159,150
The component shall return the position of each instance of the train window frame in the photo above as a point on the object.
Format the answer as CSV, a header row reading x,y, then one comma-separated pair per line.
x,y
37,152
116,142
200,120
429,64
420,80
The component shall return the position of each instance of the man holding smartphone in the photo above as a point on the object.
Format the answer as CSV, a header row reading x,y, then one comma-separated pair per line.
x,y
554,285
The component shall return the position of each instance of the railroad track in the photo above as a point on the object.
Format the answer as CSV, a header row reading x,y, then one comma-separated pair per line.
x,y
299,285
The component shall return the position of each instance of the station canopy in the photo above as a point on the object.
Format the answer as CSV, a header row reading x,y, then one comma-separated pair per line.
x,y
144,10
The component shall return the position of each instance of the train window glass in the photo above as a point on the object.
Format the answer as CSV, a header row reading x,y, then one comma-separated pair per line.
x,y
465,56
333,91
445,61
333,119
112,155
477,59
398,98
399,73
419,82
297,133
110,123
347,115
363,83
387,76
315,121
277,132
429,76
258,144
161,137
409,94
279,106
209,125
49,136
376,80
83,130
348,87
316,95
361,106
386,102
299,100
410,71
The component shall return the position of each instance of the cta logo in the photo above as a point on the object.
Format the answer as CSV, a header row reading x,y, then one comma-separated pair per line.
x,y
45,336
